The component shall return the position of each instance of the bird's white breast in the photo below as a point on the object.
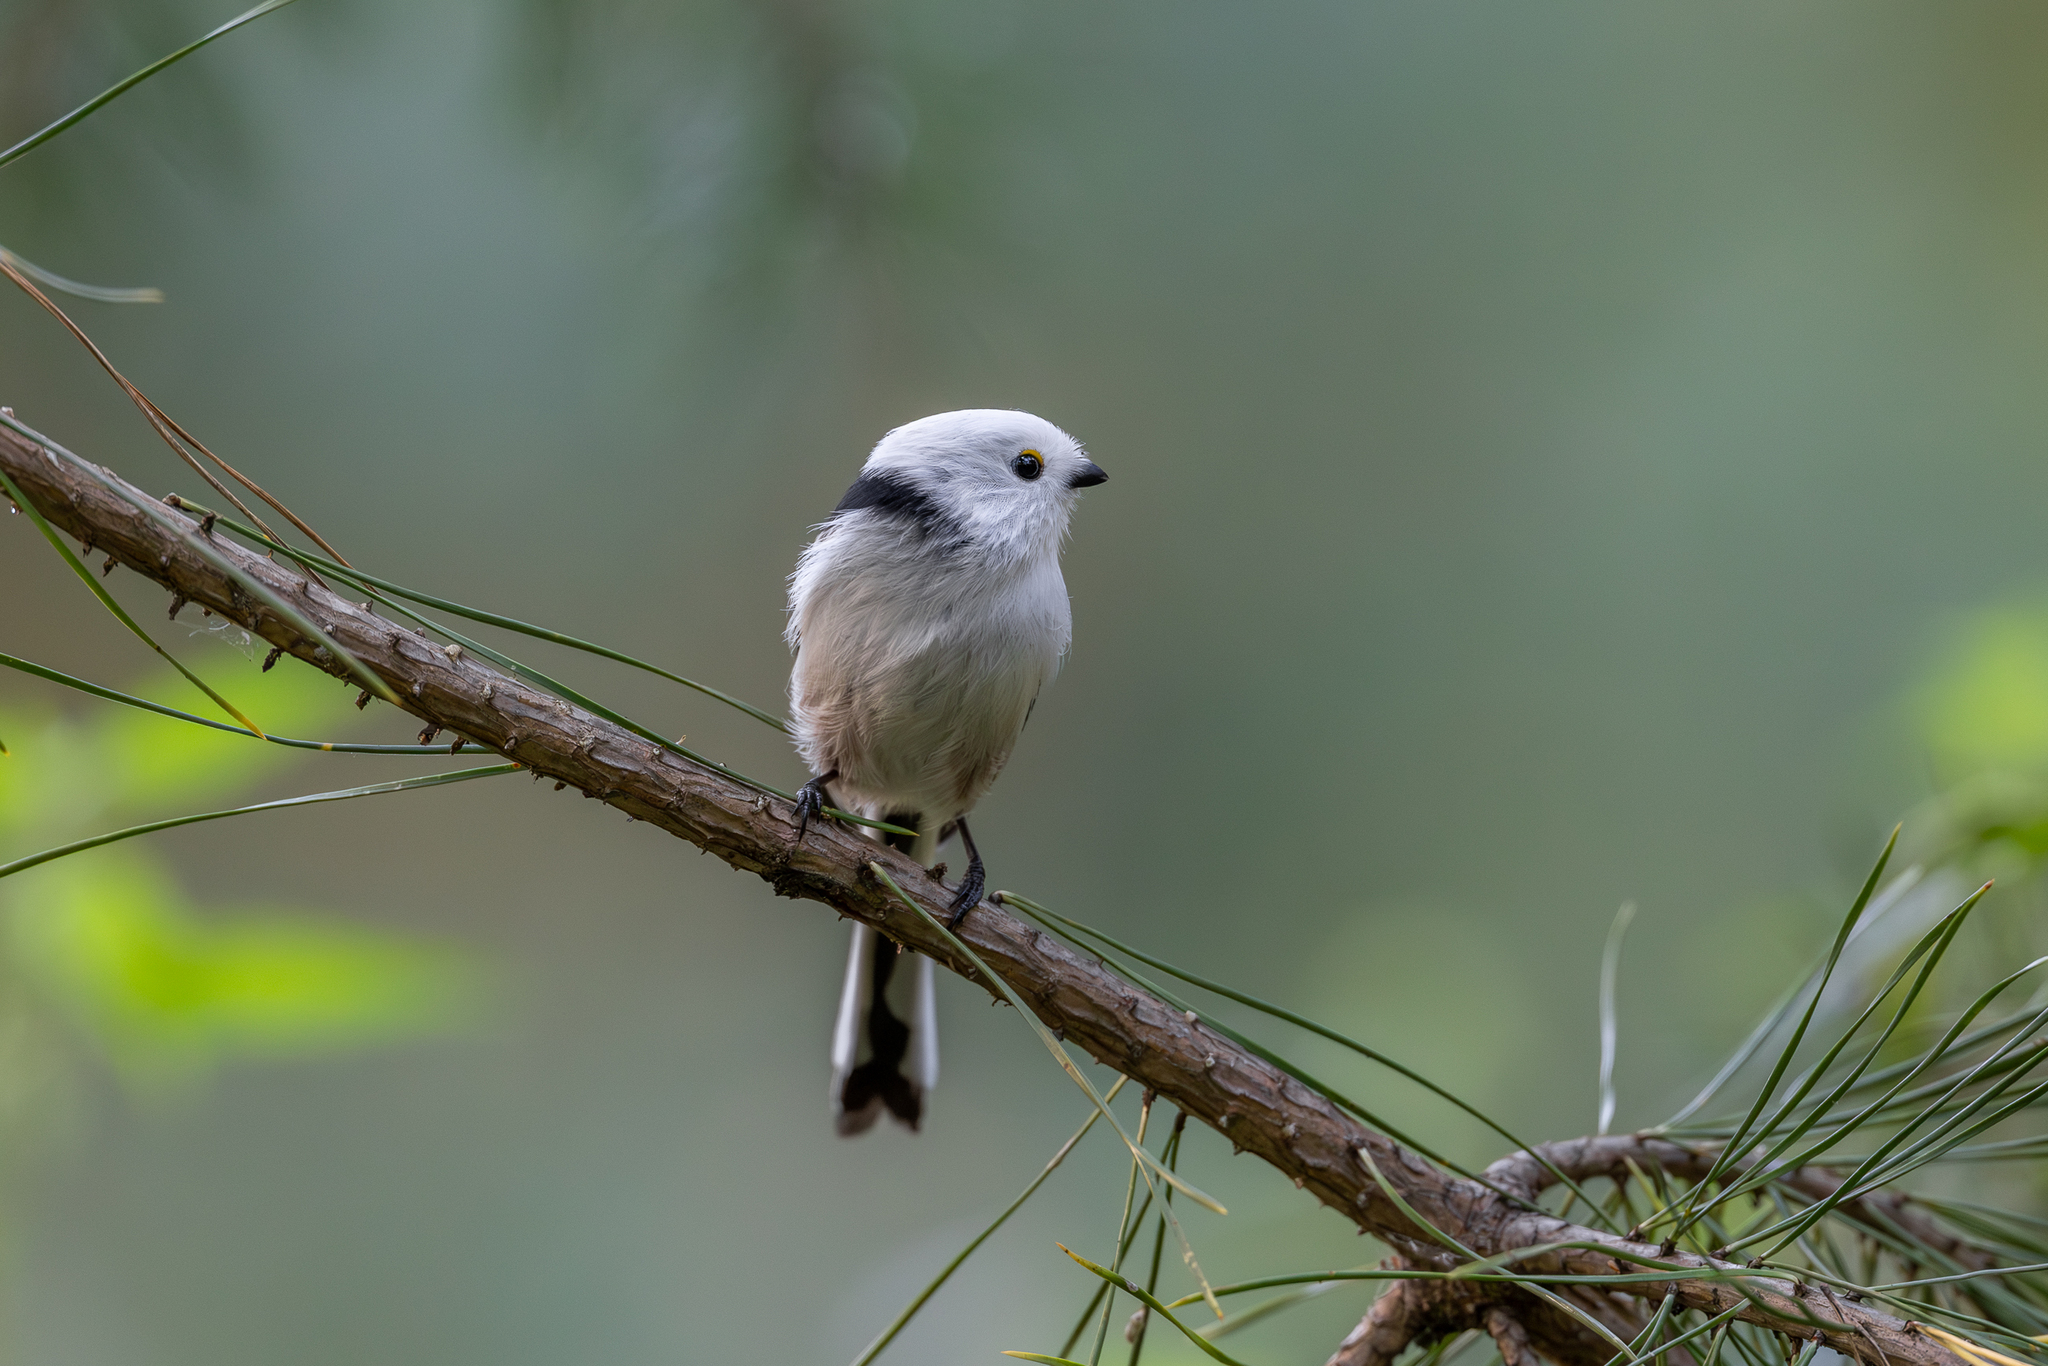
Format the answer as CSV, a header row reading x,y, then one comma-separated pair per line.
x,y
915,670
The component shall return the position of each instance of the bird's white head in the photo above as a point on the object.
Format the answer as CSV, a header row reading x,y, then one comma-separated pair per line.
x,y
1002,480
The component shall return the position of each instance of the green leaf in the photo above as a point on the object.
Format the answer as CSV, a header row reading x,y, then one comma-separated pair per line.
x,y
168,993
1740,1142
1266,1309
37,139
150,759
1989,706
1150,1301
1068,928
374,789
299,679
491,618
52,280
1932,947
902,1320
1610,971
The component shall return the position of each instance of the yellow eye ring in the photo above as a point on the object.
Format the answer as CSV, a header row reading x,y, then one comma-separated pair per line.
x,y
1028,465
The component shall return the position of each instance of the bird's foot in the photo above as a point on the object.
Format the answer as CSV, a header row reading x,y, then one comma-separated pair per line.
x,y
969,895
810,806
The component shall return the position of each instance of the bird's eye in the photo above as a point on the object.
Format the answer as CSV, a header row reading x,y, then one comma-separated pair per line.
x,y
1028,465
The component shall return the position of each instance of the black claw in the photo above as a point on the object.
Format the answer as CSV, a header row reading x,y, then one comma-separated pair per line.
x,y
810,805
969,895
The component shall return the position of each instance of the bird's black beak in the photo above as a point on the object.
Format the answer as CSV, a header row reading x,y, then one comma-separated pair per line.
x,y
1089,476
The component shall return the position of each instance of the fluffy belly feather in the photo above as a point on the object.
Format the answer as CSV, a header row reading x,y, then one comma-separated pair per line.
x,y
924,731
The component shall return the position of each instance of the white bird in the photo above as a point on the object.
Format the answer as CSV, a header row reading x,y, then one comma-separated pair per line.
x,y
925,617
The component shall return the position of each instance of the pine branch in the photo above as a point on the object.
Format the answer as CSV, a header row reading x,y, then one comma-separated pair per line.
x,y
1420,1211
1610,1155
1408,1312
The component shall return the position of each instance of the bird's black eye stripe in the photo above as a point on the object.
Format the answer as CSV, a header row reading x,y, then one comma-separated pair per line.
x,y
1028,465
893,496
887,493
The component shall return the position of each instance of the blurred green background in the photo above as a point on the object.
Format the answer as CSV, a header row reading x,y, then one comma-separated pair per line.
x,y
1561,455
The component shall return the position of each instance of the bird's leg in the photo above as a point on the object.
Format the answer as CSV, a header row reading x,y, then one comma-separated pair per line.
x,y
811,800
969,895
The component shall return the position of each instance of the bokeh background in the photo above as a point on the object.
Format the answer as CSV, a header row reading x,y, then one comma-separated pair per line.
x,y
1561,455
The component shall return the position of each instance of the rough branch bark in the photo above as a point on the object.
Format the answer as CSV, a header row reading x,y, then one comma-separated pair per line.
x,y
1257,1107
1411,1312
1583,1159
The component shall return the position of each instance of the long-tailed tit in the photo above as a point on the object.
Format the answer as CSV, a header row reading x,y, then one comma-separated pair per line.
x,y
926,617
